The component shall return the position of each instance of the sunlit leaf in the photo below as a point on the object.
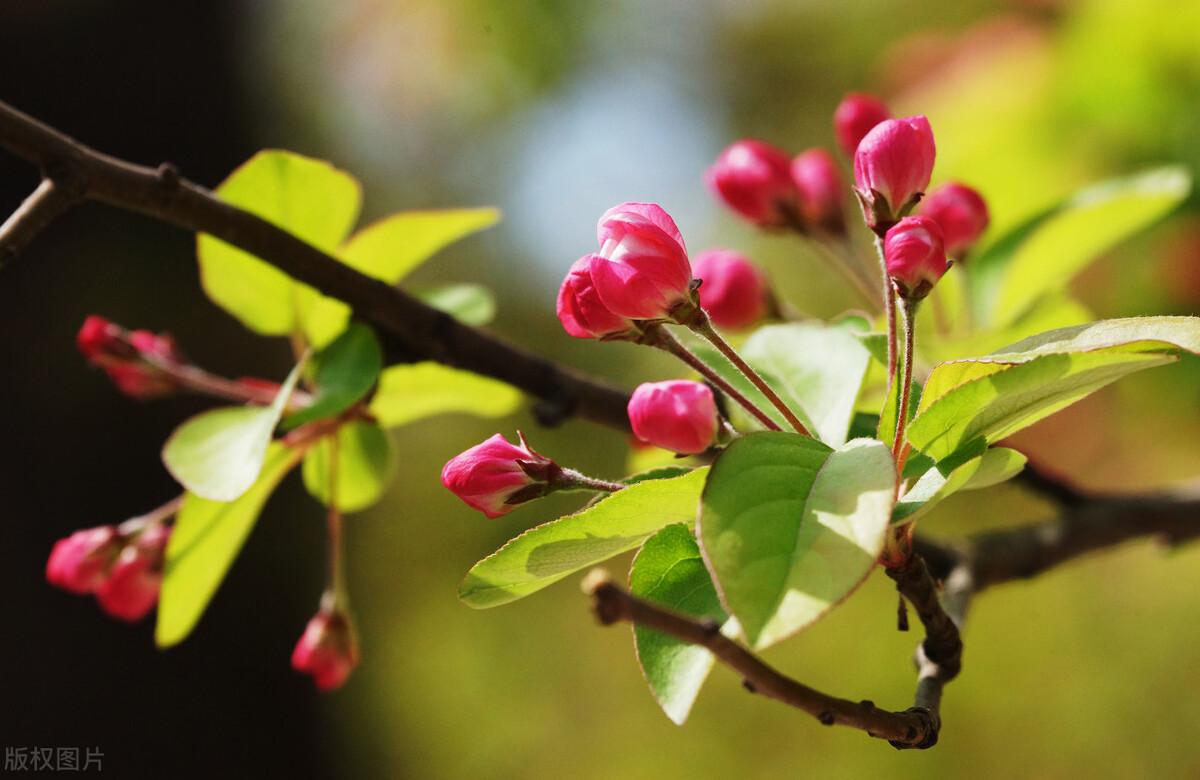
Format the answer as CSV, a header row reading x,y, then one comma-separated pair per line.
x,y
472,304
987,398
364,466
669,570
308,198
218,454
343,373
545,554
994,466
206,539
413,392
791,527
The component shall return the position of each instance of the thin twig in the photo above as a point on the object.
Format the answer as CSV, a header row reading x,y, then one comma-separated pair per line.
x,y
911,728
41,208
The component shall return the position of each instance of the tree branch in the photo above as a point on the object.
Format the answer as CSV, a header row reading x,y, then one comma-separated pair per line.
x,y
46,203
410,328
912,728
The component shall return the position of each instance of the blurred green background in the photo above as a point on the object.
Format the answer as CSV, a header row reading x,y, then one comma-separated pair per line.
x,y
554,111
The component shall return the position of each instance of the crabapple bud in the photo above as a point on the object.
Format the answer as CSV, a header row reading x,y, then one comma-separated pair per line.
x,y
753,179
328,649
132,587
962,214
81,561
494,476
677,415
733,290
855,116
580,310
915,256
820,188
892,167
642,270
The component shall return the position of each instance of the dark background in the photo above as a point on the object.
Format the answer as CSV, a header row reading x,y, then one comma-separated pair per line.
x,y
148,82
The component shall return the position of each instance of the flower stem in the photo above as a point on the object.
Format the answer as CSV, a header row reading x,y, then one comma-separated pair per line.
x,y
570,479
703,327
908,310
668,343
889,315
333,517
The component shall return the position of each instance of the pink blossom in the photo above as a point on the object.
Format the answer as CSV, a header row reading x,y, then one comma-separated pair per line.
x,y
80,562
580,310
642,271
676,415
753,178
855,116
894,160
962,214
915,255
328,649
821,190
733,290
132,588
495,476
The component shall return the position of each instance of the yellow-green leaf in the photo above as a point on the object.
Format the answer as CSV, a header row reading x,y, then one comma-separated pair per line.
x,y
411,392
364,466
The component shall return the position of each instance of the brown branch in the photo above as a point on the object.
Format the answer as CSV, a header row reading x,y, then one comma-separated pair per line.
x,y
410,328
908,729
41,208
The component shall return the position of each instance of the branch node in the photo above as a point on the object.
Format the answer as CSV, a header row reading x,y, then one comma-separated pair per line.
x,y
827,718
922,738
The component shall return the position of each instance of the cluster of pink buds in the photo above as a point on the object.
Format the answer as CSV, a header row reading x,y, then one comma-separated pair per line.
x,y
121,565
762,185
133,360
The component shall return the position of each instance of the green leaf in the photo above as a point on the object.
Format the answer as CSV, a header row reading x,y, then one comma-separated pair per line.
x,y
1047,252
218,454
545,554
392,247
343,373
472,304
668,570
987,398
309,198
412,392
791,527
994,466
364,466
815,367
206,539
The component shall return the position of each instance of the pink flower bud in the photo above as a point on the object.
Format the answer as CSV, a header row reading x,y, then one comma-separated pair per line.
x,y
580,310
821,190
915,256
962,214
328,649
676,415
80,562
856,116
892,167
495,476
754,180
132,588
98,337
642,271
734,290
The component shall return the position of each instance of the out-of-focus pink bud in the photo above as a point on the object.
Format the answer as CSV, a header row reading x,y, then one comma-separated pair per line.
x,y
676,415
962,214
580,310
154,345
753,178
733,289
642,271
821,191
915,255
80,562
892,168
132,588
98,337
855,116
495,476
138,381
328,649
